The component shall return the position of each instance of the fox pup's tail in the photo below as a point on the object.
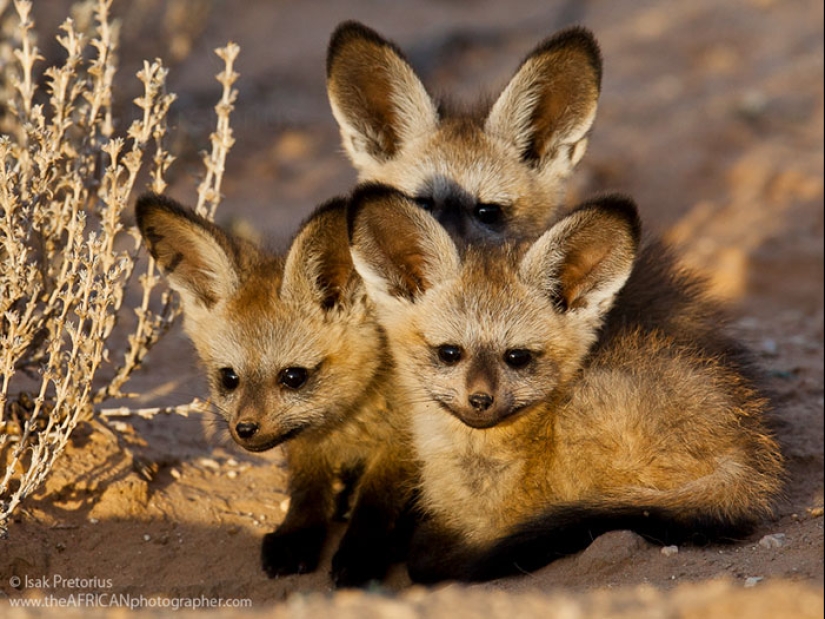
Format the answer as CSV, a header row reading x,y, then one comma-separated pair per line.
x,y
561,531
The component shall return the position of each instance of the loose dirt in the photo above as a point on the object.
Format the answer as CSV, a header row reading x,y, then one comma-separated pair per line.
x,y
711,117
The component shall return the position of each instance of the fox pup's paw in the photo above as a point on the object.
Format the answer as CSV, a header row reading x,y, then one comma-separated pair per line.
x,y
355,565
292,552
436,554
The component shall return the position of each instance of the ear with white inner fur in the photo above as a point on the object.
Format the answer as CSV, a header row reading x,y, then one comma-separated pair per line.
x,y
375,95
584,260
399,250
550,104
318,270
196,256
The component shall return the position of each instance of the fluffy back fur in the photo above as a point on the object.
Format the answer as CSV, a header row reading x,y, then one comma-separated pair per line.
x,y
528,407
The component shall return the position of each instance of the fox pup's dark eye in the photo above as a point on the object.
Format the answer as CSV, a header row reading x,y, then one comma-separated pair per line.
x,y
518,357
449,354
293,378
425,202
229,379
489,214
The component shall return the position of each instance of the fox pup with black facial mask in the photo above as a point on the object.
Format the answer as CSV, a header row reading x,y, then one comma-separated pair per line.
x,y
490,170
537,427
294,357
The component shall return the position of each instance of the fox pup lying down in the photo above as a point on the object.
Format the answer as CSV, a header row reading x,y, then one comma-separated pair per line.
x,y
294,356
537,425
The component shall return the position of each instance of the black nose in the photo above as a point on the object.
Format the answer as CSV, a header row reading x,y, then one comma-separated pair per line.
x,y
246,429
481,401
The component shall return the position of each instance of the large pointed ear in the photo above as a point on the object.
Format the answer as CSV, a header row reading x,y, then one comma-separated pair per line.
x,y
399,249
550,104
318,269
375,95
584,260
197,257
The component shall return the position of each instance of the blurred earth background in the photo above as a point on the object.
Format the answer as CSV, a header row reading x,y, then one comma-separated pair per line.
x,y
711,117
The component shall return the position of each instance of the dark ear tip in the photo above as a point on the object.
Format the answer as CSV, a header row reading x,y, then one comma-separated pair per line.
x,y
577,37
332,208
579,34
622,207
374,191
150,201
349,31
150,205
147,201
365,195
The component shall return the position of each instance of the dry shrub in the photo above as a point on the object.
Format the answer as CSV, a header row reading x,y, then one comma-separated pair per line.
x,y
66,254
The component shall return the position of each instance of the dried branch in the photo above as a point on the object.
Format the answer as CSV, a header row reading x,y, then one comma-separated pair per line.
x,y
65,183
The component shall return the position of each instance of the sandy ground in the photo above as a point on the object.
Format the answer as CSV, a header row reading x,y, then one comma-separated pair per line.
x,y
711,117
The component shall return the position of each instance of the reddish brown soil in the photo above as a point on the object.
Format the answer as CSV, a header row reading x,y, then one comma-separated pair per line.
x,y
711,117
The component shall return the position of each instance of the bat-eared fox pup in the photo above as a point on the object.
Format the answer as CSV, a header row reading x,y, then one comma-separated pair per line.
x,y
294,356
484,172
537,425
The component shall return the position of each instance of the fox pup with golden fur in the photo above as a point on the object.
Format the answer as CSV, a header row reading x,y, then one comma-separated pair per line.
x,y
487,171
294,357
537,425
